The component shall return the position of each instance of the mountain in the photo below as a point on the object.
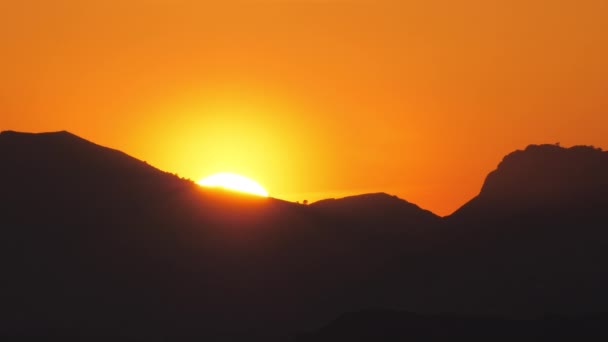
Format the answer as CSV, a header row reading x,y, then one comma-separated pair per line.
x,y
97,244
523,260
378,209
534,240
543,178
95,240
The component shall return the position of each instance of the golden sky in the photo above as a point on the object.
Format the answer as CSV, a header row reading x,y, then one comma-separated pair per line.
x,y
312,98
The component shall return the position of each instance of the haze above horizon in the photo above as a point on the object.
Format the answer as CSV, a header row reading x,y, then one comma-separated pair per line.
x,y
313,99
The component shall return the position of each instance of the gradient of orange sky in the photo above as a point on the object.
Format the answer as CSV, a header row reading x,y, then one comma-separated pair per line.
x,y
312,98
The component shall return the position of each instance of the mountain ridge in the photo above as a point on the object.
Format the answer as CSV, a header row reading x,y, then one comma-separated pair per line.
x,y
492,183
97,240
63,136
545,175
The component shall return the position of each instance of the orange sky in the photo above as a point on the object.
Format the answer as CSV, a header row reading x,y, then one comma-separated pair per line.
x,y
312,98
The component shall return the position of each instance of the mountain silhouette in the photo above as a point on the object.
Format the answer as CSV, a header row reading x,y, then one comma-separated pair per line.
x,y
534,239
97,244
543,177
377,209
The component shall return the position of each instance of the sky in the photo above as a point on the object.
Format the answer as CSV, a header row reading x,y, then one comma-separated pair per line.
x,y
312,98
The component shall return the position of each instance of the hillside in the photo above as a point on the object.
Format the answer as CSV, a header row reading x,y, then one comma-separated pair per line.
x,y
97,243
92,230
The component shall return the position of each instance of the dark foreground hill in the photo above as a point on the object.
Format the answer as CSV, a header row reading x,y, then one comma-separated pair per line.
x,y
95,243
395,326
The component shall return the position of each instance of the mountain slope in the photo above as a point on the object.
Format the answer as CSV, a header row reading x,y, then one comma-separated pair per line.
x,y
534,240
95,240
543,177
378,209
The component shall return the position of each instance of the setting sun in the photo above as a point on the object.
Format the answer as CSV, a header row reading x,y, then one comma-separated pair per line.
x,y
234,182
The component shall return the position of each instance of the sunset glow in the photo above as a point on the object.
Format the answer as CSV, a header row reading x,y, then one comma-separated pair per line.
x,y
313,99
234,182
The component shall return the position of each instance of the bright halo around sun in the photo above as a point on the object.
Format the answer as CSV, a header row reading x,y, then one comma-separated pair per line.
x,y
234,182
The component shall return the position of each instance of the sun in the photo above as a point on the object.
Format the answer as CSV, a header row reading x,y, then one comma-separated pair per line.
x,y
234,182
